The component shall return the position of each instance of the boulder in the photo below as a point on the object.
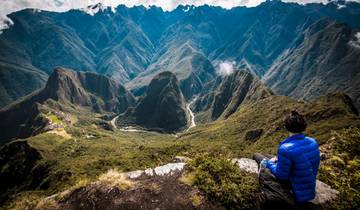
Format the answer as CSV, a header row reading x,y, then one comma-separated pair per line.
x,y
247,164
324,194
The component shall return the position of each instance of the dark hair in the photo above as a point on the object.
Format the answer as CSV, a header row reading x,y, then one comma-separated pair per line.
x,y
295,122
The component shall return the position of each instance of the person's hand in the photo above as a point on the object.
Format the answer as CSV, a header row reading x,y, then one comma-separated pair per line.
x,y
263,163
274,159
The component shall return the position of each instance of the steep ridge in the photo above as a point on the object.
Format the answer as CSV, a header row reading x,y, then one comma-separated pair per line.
x,y
223,96
162,108
17,81
87,89
257,40
66,88
189,65
323,59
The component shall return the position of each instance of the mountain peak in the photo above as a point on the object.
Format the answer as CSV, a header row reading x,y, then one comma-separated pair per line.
x,y
162,107
224,95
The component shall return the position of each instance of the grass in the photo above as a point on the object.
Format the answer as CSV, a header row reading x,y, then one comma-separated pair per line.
x,y
54,119
341,167
220,179
115,178
81,158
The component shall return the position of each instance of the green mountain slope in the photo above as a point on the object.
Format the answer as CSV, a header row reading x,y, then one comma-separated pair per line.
x,y
64,89
223,96
92,150
162,108
323,59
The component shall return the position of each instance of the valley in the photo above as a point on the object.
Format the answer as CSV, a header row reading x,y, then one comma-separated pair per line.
x,y
90,101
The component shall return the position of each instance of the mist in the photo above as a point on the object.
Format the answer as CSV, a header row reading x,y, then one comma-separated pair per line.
x,y
226,68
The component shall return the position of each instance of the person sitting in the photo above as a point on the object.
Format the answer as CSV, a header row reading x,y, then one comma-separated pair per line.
x,y
297,161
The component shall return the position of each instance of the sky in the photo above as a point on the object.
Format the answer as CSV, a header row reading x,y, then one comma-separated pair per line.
x,y
9,6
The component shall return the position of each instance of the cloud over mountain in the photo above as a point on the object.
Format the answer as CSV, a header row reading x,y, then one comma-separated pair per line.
x,y
9,6
226,68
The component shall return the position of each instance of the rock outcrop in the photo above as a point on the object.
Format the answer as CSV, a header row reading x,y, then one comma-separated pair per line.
x,y
140,190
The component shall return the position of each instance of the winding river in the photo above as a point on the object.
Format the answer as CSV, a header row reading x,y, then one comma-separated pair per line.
x,y
132,129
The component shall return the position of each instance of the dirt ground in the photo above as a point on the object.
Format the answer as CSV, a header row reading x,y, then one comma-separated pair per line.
x,y
157,192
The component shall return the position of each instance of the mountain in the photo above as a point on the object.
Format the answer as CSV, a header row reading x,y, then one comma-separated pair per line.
x,y
132,45
64,88
189,65
17,81
223,96
161,108
323,59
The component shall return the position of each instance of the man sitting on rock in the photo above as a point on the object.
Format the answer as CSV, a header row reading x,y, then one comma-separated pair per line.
x,y
297,161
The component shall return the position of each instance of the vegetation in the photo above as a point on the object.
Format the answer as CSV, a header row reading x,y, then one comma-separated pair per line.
x,y
222,180
93,150
341,167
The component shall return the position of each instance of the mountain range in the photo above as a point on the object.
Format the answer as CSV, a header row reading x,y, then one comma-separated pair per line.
x,y
91,103
132,45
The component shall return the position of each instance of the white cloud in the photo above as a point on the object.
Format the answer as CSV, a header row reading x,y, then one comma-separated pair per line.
x,y
356,41
9,6
226,68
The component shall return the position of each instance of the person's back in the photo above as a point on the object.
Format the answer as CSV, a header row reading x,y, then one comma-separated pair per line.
x,y
298,160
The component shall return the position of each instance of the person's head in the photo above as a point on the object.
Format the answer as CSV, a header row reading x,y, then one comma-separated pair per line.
x,y
295,122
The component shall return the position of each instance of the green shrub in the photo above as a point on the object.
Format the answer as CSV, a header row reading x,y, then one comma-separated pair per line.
x,y
343,173
223,181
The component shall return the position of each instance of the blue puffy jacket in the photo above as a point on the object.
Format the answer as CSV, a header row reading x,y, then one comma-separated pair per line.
x,y
298,162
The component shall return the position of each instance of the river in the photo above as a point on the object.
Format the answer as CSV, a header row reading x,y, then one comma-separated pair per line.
x,y
133,129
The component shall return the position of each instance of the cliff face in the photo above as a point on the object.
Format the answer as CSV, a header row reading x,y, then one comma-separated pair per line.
x,y
87,89
225,94
162,108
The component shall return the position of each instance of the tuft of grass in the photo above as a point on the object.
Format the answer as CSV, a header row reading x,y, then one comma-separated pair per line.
x,y
115,178
188,178
223,181
196,200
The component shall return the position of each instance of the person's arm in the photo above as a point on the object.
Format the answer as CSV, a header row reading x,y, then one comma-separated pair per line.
x,y
316,162
281,169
